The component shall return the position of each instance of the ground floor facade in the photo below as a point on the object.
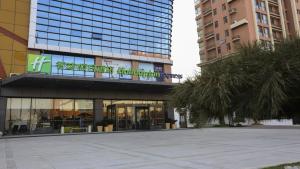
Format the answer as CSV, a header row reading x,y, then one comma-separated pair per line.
x,y
42,104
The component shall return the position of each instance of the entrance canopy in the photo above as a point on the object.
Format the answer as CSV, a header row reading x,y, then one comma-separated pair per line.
x,y
42,80
46,86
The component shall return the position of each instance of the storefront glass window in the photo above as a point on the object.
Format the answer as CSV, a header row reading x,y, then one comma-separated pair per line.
x,y
41,116
18,113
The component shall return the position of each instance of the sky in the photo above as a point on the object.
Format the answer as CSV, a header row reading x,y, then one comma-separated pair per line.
x,y
185,50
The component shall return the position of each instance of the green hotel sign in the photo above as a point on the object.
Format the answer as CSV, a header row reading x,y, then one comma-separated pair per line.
x,y
42,64
37,63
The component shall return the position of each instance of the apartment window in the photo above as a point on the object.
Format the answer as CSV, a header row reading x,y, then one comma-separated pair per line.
x,y
228,46
226,33
298,11
264,32
262,18
225,19
219,50
215,11
260,5
223,7
218,36
216,24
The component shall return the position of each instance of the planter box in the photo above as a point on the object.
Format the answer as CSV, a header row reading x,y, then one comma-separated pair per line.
x,y
167,126
99,129
111,127
106,129
173,126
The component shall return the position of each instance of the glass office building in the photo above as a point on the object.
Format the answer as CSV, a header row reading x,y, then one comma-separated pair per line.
x,y
129,27
83,61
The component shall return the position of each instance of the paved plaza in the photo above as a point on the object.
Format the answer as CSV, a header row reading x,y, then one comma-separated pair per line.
x,y
210,148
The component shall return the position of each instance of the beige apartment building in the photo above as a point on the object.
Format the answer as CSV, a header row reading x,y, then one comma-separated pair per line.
x,y
223,25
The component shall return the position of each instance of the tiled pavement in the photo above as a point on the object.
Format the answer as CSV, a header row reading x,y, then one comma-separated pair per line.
x,y
210,148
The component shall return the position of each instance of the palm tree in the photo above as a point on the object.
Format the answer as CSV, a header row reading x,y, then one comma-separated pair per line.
x,y
255,82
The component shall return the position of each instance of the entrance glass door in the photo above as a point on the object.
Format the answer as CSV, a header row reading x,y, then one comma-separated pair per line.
x,y
125,117
142,120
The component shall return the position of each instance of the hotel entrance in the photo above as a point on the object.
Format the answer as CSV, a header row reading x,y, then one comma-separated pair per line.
x,y
142,118
135,115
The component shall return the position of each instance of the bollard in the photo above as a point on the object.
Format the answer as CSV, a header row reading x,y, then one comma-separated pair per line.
x,y
62,130
89,129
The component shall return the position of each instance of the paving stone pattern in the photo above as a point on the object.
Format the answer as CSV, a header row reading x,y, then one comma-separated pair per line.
x,y
210,148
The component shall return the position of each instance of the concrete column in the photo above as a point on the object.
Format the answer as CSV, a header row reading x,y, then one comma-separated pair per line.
x,y
295,17
98,62
98,108
135,65
281,11
3,102
269,23
168,69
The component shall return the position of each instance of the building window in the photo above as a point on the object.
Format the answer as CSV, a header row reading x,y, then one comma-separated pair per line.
x,y
225,19
223,7
263,32
216,24
260,5
218,36
226,32
219,50
215,11
262,18
228,46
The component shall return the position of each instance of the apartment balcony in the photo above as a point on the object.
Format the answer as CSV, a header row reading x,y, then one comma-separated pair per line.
x,y
202,53
236,38
209,35
274,2
197,3
229,1
239,23
211,47
200,28
232,11
277,39
208,23
277,27
200,40
274,13
201,45
207,11
204,1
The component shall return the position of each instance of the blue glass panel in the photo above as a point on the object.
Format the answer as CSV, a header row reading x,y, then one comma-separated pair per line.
x,y
79,60
141,20
68,59
89,61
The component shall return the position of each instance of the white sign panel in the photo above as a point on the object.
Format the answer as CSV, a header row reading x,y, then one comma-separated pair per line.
x,y
147,67
116,64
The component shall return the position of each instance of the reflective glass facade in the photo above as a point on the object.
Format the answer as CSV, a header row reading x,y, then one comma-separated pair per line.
x,y
135,27
42,116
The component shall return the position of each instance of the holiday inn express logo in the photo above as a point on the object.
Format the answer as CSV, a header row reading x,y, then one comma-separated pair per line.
x,y
38,63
